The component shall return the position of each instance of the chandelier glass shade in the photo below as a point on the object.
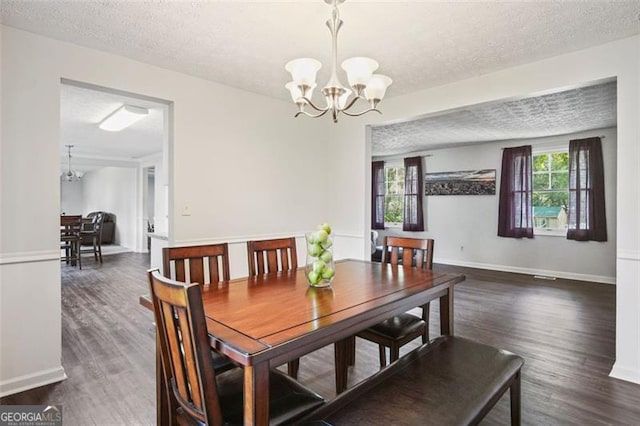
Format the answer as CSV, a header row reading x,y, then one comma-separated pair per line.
x,y
70,175
363,83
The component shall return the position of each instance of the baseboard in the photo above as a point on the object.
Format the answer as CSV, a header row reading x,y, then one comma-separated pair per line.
x,y
625,373
30,381
529,271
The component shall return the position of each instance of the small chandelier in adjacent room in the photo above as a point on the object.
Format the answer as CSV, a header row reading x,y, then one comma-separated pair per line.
x,y
69,175
366,86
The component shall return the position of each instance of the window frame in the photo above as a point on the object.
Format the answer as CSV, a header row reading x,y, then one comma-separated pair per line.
x,y
537,151
393,165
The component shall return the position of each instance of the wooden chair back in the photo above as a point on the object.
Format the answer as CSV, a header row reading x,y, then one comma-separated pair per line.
x,y
415,252
70,225
272,256
184,348
206,264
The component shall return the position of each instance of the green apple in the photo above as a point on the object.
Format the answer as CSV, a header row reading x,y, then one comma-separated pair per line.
x,y
322,236
326,256
312,237
325,227
314,250
314,277
319,265
328,273
326,244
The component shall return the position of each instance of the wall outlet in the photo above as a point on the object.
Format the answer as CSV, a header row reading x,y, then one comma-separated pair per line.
x,y
186,210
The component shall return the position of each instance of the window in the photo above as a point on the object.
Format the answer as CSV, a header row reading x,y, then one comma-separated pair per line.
x,y
394,195
550,192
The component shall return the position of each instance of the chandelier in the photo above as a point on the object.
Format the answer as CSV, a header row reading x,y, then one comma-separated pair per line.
x,y
70,176
365,85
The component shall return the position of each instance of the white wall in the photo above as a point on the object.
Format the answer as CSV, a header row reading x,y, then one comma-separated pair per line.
x,y
114,190
471,221
71,198
350,206
241,161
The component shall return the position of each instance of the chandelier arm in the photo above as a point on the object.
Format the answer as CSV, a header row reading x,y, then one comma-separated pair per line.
x,y
307,100
357,114
312,115
352,102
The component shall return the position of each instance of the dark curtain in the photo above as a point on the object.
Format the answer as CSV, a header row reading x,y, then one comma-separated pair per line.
x,y
515,216
413,217
587,221
377,195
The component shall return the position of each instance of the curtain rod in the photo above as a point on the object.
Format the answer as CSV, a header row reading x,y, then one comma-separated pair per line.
x,y
552,143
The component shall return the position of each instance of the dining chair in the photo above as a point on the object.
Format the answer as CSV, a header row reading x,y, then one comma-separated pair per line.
x,y
196,393
92,233
70,227
275,255
399,330
205,265
272,256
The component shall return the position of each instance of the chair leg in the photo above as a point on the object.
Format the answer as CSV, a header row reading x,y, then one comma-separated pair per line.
x,y
293,367
100,251
95,250
383,356
78,253
515,401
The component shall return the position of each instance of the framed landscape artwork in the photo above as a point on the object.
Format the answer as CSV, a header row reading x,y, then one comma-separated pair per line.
x,y
466,182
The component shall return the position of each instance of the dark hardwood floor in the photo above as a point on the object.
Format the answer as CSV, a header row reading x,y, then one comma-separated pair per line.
x,y
565,331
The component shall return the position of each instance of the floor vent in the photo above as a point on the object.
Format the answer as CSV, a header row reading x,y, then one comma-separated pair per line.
x,y
544,277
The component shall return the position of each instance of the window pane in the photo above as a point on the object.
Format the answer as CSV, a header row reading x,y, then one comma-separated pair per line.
x,y
391,174
560,161
549,209
393,208
394,197
400,172
540,181
540,163
560,180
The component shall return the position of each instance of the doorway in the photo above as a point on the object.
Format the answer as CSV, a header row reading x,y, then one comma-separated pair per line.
x,y
122,172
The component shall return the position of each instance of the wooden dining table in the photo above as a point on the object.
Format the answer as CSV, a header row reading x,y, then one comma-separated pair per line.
x,y
264,321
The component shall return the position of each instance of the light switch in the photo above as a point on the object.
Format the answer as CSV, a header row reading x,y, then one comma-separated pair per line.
x,y
186,210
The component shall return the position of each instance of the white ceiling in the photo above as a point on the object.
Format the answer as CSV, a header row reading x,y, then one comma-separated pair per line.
x,y
82,109
419,44
576,110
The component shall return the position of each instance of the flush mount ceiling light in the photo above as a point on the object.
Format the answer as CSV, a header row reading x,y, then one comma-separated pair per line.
x,y
69,175
123,117
366,86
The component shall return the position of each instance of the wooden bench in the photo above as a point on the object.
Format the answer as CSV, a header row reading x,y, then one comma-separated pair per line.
x,y
448,381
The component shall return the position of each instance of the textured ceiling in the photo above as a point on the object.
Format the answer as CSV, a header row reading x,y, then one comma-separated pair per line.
x,y
586,108
81,110
246,44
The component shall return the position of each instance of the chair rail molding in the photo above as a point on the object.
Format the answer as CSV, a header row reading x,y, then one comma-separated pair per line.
x,y
29,256
628,255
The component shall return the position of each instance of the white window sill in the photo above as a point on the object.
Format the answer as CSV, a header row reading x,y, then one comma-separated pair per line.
x,y
550,232
392,225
